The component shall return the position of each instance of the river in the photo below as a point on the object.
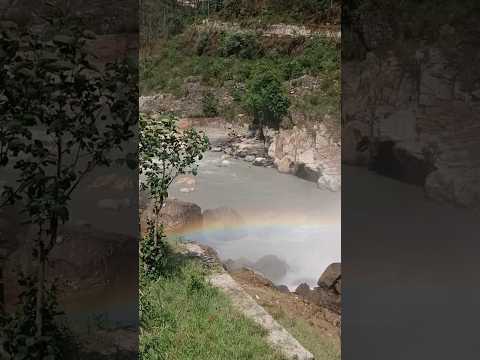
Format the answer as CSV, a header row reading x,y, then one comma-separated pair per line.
x,y
282,215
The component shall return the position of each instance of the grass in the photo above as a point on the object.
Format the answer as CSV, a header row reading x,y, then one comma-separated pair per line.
x,y
184,318
322,347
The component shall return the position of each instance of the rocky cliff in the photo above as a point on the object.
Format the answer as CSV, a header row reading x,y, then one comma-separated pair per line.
x,y
410,110
310,153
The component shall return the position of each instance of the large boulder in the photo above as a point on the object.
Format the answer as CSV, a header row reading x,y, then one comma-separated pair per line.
x,y
272,267
176,216
84,259
180,216
330,276
222,218
303,290
285,165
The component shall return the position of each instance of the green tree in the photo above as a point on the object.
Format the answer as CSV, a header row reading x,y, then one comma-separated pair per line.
x,y
166,152
61,116
266,99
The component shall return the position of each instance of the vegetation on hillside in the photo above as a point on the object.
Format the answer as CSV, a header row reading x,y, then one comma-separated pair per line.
x,y
160,19
231,61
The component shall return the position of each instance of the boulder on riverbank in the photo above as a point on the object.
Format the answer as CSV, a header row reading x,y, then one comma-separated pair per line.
x,y
222,218
328,294
176,216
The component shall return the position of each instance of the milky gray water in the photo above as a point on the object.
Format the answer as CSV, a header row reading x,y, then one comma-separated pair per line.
x,y
284,216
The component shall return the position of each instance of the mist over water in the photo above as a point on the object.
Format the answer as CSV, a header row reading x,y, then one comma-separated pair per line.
x,y
282,215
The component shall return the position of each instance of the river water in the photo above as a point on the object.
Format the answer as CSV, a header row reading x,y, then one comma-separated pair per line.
x,y
282,215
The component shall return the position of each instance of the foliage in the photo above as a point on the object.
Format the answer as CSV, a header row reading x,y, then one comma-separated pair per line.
x,y
153,253
320,55
18,331
184,317
166,152
282,11
210,105
243,45
266,99
61,117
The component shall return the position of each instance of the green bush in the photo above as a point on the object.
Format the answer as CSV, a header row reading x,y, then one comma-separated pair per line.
x,y
153,254
202,43
320,55
242,45
209,105
266,98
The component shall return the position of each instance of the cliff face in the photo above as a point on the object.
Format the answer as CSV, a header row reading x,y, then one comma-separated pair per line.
x,y
411,110
308,153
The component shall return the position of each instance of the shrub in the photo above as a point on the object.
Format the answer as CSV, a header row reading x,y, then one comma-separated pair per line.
x,y
202,44
153,253
242,45
209,104
320,55
265,98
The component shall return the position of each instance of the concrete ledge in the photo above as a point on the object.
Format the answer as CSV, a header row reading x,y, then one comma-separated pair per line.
x,y
278,337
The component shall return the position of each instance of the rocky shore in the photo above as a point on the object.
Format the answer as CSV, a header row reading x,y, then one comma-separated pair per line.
x,y
179,216
308,153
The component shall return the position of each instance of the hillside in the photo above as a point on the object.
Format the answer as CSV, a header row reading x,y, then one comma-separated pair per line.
x,y
207,68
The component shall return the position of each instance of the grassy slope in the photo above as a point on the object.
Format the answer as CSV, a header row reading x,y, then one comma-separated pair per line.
x,y
310,337
184,318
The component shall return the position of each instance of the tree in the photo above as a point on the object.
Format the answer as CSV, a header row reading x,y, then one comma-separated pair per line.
x,y
165,152
266,99
61,116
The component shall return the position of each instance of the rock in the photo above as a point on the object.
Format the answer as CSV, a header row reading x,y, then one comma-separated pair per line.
x,y
84,259
308,153
177,216
272,267
326,298
223,219
260,161
232,265
250,158
187,180
286,165
330,276
305,172
283,289
338,286
303,290
187,190
217,149
332,183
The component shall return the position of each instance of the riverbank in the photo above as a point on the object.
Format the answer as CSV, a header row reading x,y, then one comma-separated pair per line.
x,y
214,312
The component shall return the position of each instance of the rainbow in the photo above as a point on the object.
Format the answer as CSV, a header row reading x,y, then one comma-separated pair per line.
x,y
259,223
